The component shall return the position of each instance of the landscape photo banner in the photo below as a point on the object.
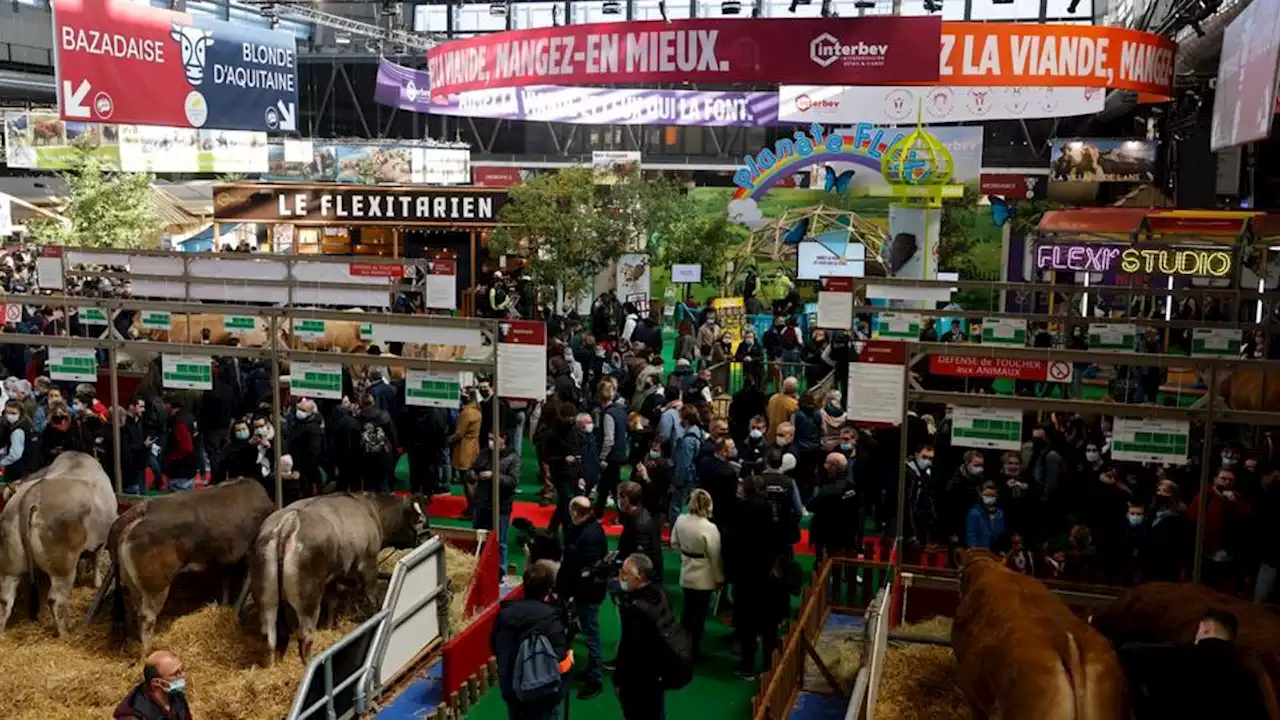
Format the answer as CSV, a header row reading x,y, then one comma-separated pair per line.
x,y
406,88
121,62
1096,160
851,51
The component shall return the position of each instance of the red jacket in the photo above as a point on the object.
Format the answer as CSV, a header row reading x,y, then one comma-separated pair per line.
x,y
1222,519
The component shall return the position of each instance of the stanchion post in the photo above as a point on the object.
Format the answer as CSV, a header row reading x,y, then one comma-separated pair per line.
x,y
113,376
1206,460
903,448
278,420
496,477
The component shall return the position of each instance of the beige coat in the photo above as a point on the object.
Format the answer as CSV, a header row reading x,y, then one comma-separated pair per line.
x,y
466,437
699,536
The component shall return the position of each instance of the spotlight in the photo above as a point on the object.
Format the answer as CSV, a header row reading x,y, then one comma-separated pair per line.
x,y
498,9
611,7
731,7
933,6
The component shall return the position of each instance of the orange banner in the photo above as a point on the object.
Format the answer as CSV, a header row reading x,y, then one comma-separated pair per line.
x,y
1026,54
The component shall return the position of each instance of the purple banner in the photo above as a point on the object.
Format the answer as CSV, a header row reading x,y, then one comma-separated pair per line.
x,y
409,89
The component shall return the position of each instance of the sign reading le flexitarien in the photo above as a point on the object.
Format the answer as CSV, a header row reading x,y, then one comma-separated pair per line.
x,y
367,205
121,62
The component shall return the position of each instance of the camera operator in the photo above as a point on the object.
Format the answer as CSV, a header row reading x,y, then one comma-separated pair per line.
x,y
641,532
581,582
532,648
654,654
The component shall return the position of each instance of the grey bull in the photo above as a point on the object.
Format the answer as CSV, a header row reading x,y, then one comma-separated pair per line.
x,y
305,550
49,519
156,540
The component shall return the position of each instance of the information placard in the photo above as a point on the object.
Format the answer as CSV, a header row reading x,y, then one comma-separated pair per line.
x,y
239,324
73,365
432,389
156,320
686,273
1148,440
522,359
442,284
92,316
310,330
1118,337
897,326
993,428
316,380
1215,342
1004,331
876,383
186,372
835,303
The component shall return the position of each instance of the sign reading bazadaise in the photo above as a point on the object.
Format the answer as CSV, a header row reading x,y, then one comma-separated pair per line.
x,y
359,205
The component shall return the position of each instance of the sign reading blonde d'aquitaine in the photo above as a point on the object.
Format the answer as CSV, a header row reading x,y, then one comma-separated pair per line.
x,y
372,205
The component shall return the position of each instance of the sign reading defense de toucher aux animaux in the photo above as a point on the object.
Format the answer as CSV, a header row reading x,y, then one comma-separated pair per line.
x,y
122,62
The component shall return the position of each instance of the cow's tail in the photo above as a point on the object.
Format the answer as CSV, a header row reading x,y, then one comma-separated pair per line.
x,y
1076,675
33,576
273,553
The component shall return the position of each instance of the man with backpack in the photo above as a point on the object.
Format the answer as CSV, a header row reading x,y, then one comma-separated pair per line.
x,y
378,444
532,648
654,652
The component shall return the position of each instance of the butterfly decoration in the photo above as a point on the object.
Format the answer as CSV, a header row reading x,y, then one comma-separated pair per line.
x,y
1002,211
838,184
796,233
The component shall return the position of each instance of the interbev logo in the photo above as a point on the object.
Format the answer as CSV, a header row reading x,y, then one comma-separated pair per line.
x,y
826,49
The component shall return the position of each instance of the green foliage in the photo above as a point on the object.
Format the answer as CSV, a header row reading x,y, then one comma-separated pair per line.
x,y
569,228
694,238
957,239
105,208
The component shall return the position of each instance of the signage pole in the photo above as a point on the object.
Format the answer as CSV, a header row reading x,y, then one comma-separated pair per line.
x,y
496,476
115,422
276,410
1206,458
903,449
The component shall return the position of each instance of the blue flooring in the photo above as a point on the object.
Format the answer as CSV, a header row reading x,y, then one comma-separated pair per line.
x,y
843,622
811,706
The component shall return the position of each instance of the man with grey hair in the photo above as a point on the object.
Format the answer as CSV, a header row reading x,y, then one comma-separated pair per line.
x,y
654,653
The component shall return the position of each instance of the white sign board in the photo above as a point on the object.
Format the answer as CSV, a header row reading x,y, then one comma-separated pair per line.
x,y
897,326
835,304
1004,331
877,383
1112,336
992,428
6,215
442,285
686,273
1148,440
73,365
522,359
432,389
316,380
816,260
186,372
1215,342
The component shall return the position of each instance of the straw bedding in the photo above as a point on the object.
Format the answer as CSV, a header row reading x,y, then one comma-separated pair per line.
x,y
461,566
841,651
919,681
86,676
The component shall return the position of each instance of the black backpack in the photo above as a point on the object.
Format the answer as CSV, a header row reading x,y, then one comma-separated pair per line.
x,y
677,651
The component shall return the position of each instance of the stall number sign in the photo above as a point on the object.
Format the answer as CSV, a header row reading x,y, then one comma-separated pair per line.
x,y
73,365
186,372
92,316
897,326
239,324
1158,441
986,428
156,320
432,389
308,329
1112,336
366,332
316,380
1215,342
1002,331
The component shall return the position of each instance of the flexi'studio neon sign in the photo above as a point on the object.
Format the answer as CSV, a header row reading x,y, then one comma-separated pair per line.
x,y
1201,262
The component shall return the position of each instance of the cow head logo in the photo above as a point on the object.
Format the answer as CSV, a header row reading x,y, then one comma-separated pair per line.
x,y
900,104
193,41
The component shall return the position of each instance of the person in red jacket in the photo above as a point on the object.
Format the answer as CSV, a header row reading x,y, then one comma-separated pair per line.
x,y
180,462
1225,526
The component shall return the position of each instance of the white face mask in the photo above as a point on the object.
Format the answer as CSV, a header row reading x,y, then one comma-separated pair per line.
x,y
757,433
588,428
782,441
302,414
12,417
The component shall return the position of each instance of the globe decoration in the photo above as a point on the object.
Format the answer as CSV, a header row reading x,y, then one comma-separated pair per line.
x,y
917,159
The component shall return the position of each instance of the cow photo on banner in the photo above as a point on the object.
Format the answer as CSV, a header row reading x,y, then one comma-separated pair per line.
x,y
120,62
1093,160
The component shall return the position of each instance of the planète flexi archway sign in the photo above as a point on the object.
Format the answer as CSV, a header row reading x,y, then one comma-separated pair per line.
x,y
865,51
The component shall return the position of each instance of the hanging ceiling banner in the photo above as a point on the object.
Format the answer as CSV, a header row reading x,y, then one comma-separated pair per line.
x,y
121,62
407,89
994,54
850,51
938,104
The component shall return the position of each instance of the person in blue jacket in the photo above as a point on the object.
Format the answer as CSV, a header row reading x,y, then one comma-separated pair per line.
x,y
984,527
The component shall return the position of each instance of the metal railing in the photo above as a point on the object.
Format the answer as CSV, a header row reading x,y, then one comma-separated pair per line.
x,y
332,694
417,616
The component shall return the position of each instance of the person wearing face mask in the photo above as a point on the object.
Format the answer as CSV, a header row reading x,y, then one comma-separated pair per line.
x,y
1042,465
751,355
959,493
753,447
88,428
610,420
836,525
718,474
984,527
18,443
584,547
747,403
833,419
684,476
782,406
653,473
162,693
1019,494
57,436
1135,542
305,442
922,511
238,458
1226,518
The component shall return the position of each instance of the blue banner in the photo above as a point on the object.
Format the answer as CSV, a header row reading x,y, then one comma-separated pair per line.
x,y
245,77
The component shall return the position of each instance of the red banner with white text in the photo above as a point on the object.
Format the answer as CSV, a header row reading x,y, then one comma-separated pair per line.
x,y
853,51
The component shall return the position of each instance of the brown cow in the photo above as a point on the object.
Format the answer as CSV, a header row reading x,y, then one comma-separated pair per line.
x,y
306,549
155,540
1021,653
1251,390
1162,612
190,328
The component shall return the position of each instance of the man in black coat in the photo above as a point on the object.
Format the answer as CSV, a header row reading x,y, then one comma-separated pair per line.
x,y
641,532
537,613
585,546
643,608
305,443
342,452
759,538
718,475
